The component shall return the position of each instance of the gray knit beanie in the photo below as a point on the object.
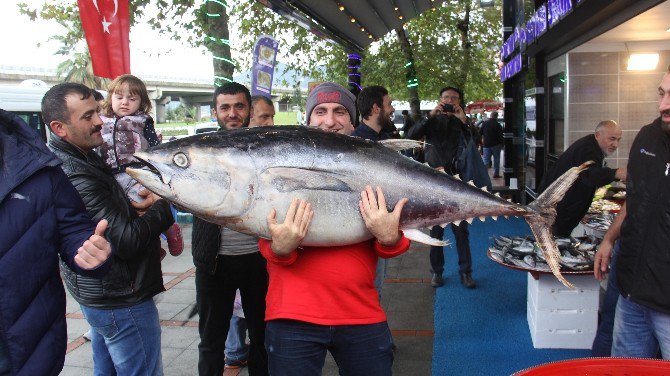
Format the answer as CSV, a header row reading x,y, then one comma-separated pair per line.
x,y
330,92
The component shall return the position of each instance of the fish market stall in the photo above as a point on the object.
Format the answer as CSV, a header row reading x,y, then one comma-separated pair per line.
x,y
558,317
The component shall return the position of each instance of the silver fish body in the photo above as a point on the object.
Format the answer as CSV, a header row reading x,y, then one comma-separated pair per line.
x,y
234,178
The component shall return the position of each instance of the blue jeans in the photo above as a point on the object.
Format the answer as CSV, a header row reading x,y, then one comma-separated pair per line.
x,y
380,275
602,343
236,347
299,348
493,151
638,331
126,341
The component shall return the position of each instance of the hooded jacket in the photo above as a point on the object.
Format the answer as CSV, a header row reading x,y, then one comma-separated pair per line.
x,y
43,220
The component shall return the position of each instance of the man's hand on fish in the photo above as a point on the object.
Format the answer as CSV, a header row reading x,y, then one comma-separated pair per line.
x,y
286,236
601,262
149,199
378,220
95,250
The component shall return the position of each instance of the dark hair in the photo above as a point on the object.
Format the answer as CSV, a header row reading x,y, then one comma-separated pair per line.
x,y
98,96
261,98
54,106
135,87
231,88
405,112
368,97
459,91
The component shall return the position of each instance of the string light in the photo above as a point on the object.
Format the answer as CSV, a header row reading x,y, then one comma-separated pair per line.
x,y
353,19
218,79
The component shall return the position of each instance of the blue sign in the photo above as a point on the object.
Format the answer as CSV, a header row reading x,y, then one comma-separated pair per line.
x,y
537,24
556,9
511,68
508,46
262,70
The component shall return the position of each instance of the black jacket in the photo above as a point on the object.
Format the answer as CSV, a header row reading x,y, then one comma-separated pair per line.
x,y
443,137
205,244
492,133
135,273
643,263
574,205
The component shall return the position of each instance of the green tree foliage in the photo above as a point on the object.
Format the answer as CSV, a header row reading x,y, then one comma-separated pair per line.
x,y
456,44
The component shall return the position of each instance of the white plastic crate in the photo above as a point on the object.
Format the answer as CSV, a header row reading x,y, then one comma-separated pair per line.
x,y
549,293
559,317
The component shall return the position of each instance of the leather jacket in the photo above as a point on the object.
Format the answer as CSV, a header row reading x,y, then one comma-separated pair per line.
x,y
135,273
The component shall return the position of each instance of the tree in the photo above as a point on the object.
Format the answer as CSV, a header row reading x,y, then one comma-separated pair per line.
x,y
182,20
455,44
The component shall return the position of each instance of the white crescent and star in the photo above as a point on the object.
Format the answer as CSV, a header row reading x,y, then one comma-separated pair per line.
x,y
104,22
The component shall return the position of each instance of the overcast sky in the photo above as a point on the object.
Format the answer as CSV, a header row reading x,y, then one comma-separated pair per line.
x,y
150,54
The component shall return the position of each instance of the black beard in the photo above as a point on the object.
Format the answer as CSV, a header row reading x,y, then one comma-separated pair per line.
x,y
665,126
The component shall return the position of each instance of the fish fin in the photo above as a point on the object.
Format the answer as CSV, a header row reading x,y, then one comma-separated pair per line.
x,y
484,189
482,218
457,177
543,214
421,237
288,179
495,217
549,249
472,183
401,144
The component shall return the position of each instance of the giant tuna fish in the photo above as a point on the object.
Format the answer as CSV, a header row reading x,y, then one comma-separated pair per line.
x,y
234,178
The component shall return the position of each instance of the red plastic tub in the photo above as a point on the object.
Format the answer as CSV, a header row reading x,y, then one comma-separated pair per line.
x,y
601,367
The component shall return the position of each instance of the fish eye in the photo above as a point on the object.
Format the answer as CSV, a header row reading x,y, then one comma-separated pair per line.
x,y
180,159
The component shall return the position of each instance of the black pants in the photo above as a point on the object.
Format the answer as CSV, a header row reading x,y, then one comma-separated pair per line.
x,y
215,296
462,235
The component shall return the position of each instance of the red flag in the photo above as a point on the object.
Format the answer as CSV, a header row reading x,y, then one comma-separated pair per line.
x,y
105,23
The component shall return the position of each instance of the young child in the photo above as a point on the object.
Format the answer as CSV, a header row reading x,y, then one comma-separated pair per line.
x,y
128,128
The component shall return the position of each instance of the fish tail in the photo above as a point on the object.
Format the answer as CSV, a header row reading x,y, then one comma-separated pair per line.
x,y
542,213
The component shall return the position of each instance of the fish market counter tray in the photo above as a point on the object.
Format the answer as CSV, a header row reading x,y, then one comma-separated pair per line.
x,y
535,272
523,253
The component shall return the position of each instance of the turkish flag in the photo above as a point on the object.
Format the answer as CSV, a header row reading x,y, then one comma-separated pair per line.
x,y
107,29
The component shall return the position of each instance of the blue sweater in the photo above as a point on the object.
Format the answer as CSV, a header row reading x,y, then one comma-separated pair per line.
x,y
42,218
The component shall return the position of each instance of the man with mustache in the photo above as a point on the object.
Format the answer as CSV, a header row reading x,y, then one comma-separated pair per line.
x,y
594,147
226,261
120,307
642,318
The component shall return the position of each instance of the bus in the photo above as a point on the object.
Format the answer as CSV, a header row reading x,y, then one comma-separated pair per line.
x,y
26,102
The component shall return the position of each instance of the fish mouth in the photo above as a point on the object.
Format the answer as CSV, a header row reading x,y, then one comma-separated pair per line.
x,y
150,175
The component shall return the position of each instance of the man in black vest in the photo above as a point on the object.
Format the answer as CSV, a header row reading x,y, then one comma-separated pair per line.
x,y
594,147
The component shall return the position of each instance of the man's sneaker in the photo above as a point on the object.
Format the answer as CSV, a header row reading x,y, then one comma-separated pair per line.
x,y
87,336
236,364
437,280
175,240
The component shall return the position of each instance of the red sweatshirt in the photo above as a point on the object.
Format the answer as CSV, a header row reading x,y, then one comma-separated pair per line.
x,y
327,285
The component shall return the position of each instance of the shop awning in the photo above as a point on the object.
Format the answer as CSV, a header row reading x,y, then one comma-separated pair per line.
x,y
354,24
483,105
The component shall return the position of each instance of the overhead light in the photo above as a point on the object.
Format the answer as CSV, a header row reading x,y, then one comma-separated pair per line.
x,y
642,62
353,19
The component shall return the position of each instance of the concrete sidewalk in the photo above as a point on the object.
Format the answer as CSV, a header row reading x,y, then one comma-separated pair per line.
x,y
407,299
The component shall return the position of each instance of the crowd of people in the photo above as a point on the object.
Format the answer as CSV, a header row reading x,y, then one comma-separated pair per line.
x,y
288,297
